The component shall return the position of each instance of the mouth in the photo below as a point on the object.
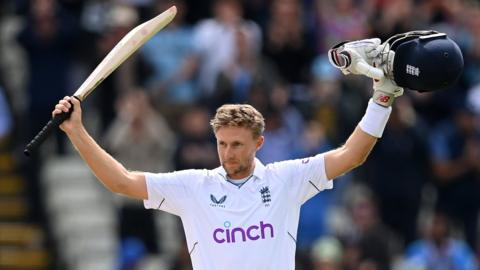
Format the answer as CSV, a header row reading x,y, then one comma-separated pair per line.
x,y
230,163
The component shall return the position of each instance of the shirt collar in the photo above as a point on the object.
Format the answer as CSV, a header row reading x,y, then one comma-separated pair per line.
x,y
258,171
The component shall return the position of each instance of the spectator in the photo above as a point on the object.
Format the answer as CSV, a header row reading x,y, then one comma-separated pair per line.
x,y
212,56
249,70
389,18
454,151
325,98
120,20
438,250
472,54
137,123
287,44
48,36
284,123
399,194
198,10
335,102
171,80
196,146
339,21
280,140
327,254
315,213
371,244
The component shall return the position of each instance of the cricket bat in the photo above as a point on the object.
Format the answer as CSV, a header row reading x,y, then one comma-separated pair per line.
x,y
125,47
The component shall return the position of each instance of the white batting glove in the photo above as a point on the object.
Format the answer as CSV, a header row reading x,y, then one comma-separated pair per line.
x,y
385,88
383,57
346,55
370,58
385,91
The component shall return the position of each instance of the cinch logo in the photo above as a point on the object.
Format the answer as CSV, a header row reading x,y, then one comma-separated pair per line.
x,y
232,235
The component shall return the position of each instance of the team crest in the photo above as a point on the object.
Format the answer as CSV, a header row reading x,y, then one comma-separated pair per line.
x,y
265,195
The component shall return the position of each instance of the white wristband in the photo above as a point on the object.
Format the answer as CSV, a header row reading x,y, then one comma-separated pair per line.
x,y
375,119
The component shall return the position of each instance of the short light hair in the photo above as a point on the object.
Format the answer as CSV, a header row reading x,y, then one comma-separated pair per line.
x,y
239,115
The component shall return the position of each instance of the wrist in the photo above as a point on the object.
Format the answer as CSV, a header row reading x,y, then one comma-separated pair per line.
x,y
375,119
75,131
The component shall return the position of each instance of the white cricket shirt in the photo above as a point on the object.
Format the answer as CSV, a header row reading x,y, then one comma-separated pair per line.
x,y
251,227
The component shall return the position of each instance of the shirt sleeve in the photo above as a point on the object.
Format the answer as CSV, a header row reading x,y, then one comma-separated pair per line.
x,y
305,177
170,192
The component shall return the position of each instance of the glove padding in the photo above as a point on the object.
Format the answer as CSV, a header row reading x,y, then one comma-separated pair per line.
x,y
346,55
352,58
385,91
383,57
385,88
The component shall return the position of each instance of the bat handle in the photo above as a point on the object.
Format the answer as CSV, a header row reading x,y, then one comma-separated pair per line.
x,y
56,121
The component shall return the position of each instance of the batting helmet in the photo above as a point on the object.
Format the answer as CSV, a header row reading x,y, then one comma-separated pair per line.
x,y
425,60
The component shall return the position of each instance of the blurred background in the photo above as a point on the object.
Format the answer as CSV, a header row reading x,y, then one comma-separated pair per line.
x,y
413,205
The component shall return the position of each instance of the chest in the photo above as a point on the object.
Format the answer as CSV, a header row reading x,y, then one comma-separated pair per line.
x,y
255,200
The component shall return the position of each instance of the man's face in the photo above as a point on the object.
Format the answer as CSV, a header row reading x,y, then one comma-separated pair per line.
x,y
236,150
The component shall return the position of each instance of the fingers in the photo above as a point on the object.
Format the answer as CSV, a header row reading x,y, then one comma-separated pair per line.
x,y
363,68
380,51
63,105
74,101
376,41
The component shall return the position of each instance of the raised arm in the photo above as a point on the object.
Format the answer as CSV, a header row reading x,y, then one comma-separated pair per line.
x,y
361,142
358,146
421,60
110,172
350,155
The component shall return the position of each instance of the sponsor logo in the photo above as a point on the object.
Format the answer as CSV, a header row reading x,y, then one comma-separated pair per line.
x,y
383,99
218,203
228,234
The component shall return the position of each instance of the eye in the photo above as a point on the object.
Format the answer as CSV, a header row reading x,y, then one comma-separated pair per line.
x,y
237,144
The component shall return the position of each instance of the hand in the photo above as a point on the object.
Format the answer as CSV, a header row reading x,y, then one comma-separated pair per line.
x,y
75,121
372,59
347,55
385,91
383,57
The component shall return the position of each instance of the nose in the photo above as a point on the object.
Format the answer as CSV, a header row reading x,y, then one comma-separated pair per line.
x,y
229,153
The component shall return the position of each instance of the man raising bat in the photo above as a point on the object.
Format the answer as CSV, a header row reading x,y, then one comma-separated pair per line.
x,y
244,214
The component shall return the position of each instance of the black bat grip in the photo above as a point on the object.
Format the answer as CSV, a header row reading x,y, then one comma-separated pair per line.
x,y
46,130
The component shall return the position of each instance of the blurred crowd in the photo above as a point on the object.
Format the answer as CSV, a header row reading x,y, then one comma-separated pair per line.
x,y
414,203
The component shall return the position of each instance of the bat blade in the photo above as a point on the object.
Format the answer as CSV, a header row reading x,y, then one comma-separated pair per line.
x,y
125,47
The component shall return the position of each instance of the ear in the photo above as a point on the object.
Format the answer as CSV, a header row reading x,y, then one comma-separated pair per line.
x,y
259,142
